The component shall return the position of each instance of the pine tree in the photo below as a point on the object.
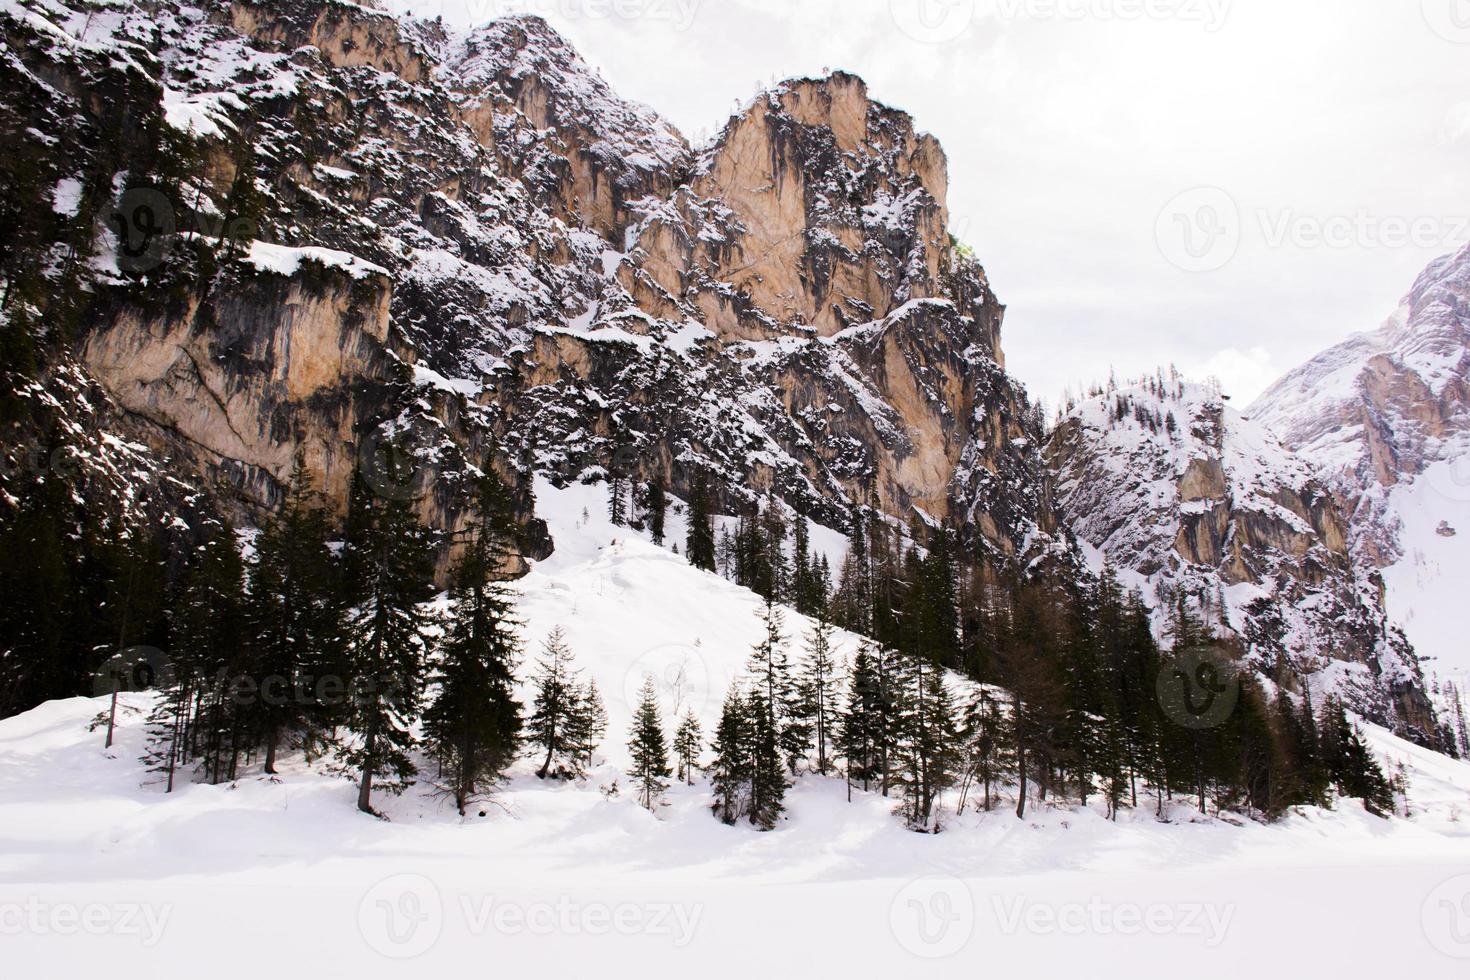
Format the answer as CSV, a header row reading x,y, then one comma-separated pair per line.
x,y
817,692
295,618
860,727
585,728
699,546
767,777
928,742
617,499
731,770
688,743
656,508
1350,762
554,714
388,638
987,738
206,633
647,746
775,686
474,724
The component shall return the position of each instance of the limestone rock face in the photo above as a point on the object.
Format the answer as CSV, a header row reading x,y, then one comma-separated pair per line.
x,y
1193,502
815,210
376,229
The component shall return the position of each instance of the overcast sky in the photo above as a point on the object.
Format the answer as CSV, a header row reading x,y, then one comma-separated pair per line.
x,y
1230,185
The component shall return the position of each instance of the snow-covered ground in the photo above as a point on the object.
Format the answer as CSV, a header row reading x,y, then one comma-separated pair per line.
x,y
101,873
1428,586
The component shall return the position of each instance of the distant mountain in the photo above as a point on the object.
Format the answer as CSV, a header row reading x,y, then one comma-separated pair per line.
x,y
1384,418
1191,502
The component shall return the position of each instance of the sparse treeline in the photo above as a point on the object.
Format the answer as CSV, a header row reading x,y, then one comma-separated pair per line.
x,y
1076,699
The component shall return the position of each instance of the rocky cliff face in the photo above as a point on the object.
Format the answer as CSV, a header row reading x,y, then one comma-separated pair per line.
x,y
367,227
1384,419
1194,502
1382,408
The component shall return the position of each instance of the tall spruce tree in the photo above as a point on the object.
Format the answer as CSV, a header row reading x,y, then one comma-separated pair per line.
x,y
647,746
295,618
474,723
389,634
554,712
817,691
767,776
928,742
731,770
195,715
987,738
688,743
859,730
699,545
655,510
585,728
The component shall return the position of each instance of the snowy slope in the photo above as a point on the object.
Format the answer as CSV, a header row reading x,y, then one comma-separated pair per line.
x,y
557,878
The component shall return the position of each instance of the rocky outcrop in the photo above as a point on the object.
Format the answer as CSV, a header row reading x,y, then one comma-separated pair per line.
x,y
1193,502
527,266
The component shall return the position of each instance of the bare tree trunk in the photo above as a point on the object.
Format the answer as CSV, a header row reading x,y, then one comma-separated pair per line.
x,y
365,786
1021,769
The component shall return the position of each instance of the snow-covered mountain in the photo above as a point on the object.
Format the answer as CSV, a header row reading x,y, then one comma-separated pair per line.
x,y
250,233
1384,418
1192,501
372,227
554,875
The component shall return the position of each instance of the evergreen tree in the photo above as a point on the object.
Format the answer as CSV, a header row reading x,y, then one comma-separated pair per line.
x,y
928,742
776,688
817,692
474,723
767,777
656,508
554,714
987,739
647,746
731,770
195,715
388,638
1350,762
688,743
699,546
617,499
586,727
860,727
295,619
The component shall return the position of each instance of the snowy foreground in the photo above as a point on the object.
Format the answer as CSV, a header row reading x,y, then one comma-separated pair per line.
x,y
102,874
